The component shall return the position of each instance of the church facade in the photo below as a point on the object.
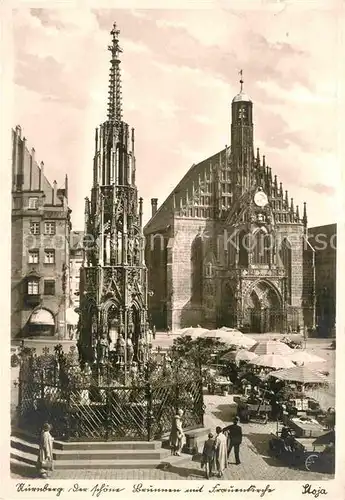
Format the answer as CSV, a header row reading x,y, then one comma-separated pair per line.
x,y
228,247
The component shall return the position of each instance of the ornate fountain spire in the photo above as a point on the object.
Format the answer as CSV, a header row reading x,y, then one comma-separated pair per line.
x,y
115,93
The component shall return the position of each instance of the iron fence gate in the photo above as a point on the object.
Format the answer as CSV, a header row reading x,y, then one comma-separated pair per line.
x,y
264,320
96,412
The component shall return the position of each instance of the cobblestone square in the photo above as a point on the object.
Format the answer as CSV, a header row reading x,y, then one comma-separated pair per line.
x,y
256,464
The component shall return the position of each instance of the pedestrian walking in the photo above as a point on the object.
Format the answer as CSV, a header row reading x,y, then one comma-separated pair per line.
x,y
305,335
45,452
177,436
208,454
154,332
220,452
234,441
168,331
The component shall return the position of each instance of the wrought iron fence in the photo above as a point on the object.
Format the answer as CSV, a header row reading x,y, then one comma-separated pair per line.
x,y
264,320
93,410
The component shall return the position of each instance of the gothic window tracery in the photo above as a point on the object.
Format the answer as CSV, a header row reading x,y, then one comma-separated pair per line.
x,y
286,261
243,244
197,269
261,247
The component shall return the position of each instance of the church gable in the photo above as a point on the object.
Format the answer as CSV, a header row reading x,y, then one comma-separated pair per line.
x,y
204,192
264,203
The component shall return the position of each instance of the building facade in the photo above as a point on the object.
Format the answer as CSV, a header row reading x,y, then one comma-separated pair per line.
x,y
40,249
228,247
76,258
113,286
324,241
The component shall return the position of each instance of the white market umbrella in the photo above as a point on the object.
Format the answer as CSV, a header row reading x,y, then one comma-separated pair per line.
x,y
276,361
271,347
230,336
300,374
240,355
304,358
193,332
72,317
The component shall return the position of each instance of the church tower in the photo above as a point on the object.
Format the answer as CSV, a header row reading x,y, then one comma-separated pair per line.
x,y
114,277
242,149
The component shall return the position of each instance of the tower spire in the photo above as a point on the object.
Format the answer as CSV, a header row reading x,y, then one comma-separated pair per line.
x,y
115,93
241,80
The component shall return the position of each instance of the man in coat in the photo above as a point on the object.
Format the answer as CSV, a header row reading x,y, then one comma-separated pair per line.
x,y
234,439
208,453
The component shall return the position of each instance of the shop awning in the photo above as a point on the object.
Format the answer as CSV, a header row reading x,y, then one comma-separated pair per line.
x,y
72,317
42,317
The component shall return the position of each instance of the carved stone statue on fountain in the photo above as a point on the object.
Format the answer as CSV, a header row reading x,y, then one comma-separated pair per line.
x,y
113,329
94,335
103,349
87,369
120,349
133,370
141,350
94,350
130,350
136,253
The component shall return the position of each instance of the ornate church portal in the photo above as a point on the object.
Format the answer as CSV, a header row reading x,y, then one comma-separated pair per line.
x,y
262,311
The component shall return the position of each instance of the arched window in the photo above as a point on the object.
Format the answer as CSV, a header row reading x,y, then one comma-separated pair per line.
x,y
261,247
41,322
243,241
197,270
285,258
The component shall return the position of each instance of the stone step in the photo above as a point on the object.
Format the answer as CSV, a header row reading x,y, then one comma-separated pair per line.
x,y
105,445
23,457
90,445
20,458
93,454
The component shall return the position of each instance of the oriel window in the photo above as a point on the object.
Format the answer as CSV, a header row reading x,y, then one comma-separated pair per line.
x,y
33,287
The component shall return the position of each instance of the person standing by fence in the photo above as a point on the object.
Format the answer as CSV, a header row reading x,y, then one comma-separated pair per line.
x,y
177,436
45,453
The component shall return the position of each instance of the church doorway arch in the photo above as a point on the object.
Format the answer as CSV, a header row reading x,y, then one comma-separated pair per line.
x,y
263,311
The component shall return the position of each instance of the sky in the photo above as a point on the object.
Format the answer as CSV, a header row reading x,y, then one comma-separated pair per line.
x,y
180,72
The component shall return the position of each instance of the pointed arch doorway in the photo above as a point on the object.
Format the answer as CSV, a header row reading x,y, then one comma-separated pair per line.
x,y
263,311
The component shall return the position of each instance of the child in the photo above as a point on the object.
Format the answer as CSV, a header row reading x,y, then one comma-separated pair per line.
x,y
45,454
208,452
